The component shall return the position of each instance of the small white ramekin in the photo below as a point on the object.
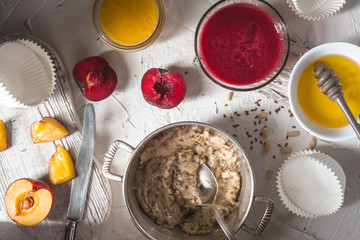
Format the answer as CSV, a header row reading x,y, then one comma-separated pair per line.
x,y
327,134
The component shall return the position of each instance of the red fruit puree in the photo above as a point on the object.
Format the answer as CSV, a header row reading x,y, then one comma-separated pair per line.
x,y
240,44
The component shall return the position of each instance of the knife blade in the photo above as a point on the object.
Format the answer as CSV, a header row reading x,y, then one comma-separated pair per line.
x,y
79,185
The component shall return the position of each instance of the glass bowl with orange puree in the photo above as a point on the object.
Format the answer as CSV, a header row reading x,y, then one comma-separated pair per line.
x,y
129,25
318,114
242,45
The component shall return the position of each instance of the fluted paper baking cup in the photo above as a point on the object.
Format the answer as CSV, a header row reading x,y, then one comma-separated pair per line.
x,y
315,9
27,74
44,57
311,184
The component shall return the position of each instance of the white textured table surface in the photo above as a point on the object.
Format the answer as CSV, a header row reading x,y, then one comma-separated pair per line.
x,y
67,26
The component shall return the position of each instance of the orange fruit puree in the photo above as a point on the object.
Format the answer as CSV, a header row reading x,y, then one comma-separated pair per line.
x,y
129,22
317,106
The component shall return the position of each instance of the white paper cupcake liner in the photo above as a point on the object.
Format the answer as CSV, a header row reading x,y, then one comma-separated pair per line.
x,y
46,60
27,74
315,9
311,184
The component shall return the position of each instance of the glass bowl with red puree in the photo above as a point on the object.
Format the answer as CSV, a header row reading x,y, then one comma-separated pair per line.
x,y
242,45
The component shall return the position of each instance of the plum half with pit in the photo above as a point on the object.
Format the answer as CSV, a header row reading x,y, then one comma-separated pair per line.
x,y
28,201
162,88
95,77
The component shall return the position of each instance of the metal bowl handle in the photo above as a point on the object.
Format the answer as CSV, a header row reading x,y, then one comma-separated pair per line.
x,y
265,219
109,157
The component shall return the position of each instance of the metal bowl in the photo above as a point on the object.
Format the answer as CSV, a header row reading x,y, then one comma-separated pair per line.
x,y
235,220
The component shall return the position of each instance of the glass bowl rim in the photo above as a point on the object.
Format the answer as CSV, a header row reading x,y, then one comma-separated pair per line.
x,y
129,48
233,87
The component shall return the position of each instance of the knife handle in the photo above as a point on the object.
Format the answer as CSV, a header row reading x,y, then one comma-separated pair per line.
x,y
70,230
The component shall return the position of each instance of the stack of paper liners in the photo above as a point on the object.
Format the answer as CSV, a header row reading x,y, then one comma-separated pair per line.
x,y
27,74
315,9
311,184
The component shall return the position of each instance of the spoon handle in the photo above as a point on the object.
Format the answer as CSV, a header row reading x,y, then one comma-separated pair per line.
x,y
229,234
345,108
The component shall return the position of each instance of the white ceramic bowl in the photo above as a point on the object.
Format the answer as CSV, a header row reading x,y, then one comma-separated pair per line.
x,y
327,134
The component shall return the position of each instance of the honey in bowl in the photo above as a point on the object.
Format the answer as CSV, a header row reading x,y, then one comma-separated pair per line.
x,y
129,22
317,106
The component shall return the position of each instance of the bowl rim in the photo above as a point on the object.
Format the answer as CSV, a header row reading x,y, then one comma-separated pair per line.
x,y
129,48
145,140
344,49
229,86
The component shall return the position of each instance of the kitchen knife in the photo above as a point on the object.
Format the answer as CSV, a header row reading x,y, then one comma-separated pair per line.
x,y
79,185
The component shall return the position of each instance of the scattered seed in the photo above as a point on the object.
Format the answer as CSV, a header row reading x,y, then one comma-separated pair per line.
x,y
269,112
275,101
282,106
235,112
255,130
285,150
279,145
251,142
229,96
274,157
293,133
186,72
277,110
234,135
238,114
226,105
259,121
263,110
267,146
312,143
232,119
269,174
291,115
236,125
262,115
261,142
265,132
254,123
247,112
255,139
293,126
251,147
287,137
224,115
285,144
265,119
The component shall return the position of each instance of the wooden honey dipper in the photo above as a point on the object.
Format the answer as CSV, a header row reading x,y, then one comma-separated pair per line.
x,y
330,85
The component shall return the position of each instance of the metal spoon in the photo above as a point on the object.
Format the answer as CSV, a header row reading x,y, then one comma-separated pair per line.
x,y
330,85
208,189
